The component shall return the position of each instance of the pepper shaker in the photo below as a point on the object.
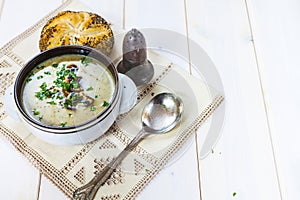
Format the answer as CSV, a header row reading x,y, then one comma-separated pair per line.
x,y
135,63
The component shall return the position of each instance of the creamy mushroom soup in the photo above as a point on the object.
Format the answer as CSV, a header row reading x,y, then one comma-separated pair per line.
x,y
67,90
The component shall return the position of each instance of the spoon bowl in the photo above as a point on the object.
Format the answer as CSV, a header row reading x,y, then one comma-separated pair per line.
x,y
161,114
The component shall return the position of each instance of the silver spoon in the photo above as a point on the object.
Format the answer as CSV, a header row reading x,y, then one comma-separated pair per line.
x,y
160,115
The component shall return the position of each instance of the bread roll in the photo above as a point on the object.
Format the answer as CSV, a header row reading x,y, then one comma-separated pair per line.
x,y
77,28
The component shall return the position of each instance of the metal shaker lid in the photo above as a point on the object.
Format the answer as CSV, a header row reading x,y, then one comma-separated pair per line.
x,y
134,47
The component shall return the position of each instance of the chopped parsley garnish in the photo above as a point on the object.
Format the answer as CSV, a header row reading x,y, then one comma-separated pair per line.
x,y
90,89
66,86
68,103
73,75
74,97
105,104
234,194
74,84
46,93
85,61
92,108
58,82
70,114
40,77
59,97
40,118
51,103
55,65
61,77
63,124
39,95
36,112
40,67
65,90
47,73
31,74
96,96
43,86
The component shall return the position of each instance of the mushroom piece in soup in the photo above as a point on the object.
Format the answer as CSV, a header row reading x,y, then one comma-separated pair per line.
x,y
67,90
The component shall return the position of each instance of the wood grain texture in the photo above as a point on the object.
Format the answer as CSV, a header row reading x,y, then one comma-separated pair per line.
x,y
49,191
254,45
1,7
276,30
180,180
244,150
19,179
17,16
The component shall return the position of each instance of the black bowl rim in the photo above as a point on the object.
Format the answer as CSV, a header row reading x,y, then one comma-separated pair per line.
x,y
59,51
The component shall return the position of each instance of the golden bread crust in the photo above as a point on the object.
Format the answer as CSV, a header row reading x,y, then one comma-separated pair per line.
x,y
77,28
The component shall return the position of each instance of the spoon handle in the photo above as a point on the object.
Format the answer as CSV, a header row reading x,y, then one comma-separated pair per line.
x,y
89,190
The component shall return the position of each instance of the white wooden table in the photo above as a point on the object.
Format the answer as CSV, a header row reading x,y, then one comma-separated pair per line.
x,y
255,47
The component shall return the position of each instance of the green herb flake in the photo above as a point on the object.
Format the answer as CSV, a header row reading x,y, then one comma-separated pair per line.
x,y
35,112
68,103
51,103
90,89
74,84
92,108
31,74
47,73
58,82
105,104
59,97
74,97
234,194
61,76
39,95
40,67
73,75
40,118
96,96
63,124
70,114
66,86
40,77
46,93
43,86
85,61
55,65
